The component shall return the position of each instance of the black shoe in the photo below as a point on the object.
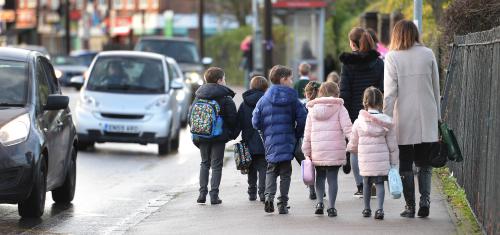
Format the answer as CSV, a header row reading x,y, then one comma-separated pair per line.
x,y
379,214
262,197
312,195
201,199
367,213
332,212
283,209
269,206
252,197
423,212
215,201
319,209
359,193
409,212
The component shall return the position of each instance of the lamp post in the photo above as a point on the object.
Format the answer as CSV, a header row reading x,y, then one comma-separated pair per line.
x,y
201,28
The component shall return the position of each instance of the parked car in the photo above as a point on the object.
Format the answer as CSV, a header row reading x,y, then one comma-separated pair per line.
x,y
184,51
37,136
67,67
129,97
36,48
184,97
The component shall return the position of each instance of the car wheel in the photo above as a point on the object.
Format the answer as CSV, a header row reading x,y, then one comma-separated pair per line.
x,y
82,145
165,147
184,123
34,205
66,192
174,143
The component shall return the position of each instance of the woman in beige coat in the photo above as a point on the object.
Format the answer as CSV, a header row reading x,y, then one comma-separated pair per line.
x,y
411,85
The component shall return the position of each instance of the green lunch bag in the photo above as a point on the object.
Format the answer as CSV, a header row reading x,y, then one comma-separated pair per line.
x,y
448,137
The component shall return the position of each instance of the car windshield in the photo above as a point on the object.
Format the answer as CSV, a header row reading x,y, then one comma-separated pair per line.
x,y
182,52
67,60
13,83
127,75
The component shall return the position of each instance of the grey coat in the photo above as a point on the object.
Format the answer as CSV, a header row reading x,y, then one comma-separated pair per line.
x,y
412,98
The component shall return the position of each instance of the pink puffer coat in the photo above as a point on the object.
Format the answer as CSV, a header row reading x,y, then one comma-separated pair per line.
x,y
327,126
374,139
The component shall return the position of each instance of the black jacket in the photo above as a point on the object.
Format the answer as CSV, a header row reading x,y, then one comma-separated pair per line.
x,y
249,134
224,97
360,70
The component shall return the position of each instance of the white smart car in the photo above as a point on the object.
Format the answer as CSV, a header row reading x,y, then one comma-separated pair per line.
x,y
130,97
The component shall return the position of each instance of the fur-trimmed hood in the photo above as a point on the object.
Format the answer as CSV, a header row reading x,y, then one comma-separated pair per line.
x,y
374,124
357,58
324,107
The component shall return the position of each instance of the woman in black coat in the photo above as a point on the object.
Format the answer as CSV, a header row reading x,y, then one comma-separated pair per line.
x,y
258,86
361,69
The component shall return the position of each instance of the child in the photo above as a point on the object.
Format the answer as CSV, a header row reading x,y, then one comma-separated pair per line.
x,y
280,117
212,149
258,85
374,139
311,92
327,126
304,70
333,77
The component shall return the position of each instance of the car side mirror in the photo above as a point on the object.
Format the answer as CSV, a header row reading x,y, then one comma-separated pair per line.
x,y
77,82
207,61
57,102
177,84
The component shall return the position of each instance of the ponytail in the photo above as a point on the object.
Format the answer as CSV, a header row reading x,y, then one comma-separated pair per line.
x,y
362,39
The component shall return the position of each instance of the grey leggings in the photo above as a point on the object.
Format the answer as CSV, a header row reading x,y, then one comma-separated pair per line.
x,y
367,188
330,173
355,169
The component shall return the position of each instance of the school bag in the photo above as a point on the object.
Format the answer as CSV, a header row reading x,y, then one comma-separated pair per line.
x,y
395,183
308,172
205,119
242,157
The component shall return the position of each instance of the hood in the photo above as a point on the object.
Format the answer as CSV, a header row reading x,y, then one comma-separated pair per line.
x,y
359,58
251,97
374,124
10,113
281,95
323,108
120,103
214,91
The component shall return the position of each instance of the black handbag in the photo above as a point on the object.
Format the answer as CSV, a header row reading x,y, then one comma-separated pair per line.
x,y
438,154
298,154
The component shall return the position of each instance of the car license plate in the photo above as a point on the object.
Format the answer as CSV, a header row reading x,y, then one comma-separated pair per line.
x,y
121,128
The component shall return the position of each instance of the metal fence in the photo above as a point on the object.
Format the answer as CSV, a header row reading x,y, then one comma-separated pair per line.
x,y
471,106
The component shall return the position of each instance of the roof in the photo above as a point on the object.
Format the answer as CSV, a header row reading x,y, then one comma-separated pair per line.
x,y
162,38
132,53
9,53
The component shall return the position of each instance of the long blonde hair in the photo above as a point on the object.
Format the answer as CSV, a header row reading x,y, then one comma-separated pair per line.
x,y
404,35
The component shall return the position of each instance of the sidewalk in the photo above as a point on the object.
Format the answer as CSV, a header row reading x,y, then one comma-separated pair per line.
x,y
237,215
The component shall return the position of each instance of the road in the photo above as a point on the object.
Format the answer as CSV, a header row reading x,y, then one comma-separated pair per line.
x,y
117,185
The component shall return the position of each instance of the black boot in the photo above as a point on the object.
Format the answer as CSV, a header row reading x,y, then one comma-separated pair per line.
x,y
359,193
312,193
423,212
269,206
202,198
409,193
319,209
283,208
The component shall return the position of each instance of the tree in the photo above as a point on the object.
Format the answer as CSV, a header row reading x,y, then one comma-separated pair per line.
x,y
239,8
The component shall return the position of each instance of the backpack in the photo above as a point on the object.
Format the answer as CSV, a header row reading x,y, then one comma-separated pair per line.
x,y
205,119
242,157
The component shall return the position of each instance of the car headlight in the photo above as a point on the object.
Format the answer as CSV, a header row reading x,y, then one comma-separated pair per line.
x,y
180,96
159,103
194,78
58,73
88,101
16,131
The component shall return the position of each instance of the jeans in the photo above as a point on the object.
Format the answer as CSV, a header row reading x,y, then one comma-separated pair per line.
x,y
212,156
367,192
418,153
284,171
355,169
329,173
258,167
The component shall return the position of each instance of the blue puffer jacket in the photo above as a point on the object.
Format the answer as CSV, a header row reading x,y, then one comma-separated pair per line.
x,y
281,118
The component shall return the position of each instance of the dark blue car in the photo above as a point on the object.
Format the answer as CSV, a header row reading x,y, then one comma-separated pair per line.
x,y
37,135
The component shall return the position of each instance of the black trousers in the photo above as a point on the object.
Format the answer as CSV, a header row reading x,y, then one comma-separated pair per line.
x,y
418,153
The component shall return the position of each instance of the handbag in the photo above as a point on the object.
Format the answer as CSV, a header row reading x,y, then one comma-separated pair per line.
x,y
347,167
242,157
395,183
438,155
297,153
450,140
308,172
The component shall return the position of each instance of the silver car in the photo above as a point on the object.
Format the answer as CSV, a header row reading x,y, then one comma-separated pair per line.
x,y
130,97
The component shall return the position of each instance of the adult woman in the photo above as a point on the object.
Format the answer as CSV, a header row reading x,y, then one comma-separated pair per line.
x,y
411,83
362,68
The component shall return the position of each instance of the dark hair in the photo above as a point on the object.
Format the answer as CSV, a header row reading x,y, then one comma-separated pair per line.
x,y
259,83
373,33
213,74
329,89
312,89
278,72
373,98
404,35
362,39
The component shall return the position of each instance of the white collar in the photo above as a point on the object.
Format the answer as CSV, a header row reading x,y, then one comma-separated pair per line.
x,y
373,111
304,78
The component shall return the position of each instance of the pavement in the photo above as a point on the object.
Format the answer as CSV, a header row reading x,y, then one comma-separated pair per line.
x,y
182,215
